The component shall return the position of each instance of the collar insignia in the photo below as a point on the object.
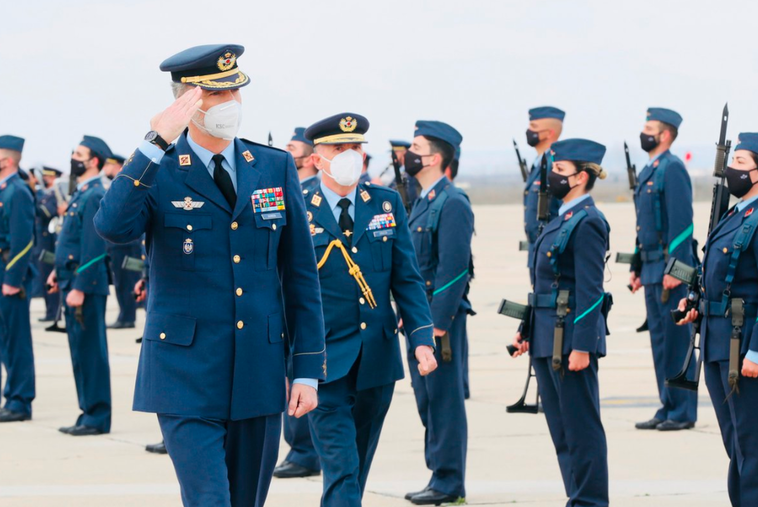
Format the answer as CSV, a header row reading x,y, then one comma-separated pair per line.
x,y
248,156
185,160
655,164
432,195
316,200
569,215
749,212
365,196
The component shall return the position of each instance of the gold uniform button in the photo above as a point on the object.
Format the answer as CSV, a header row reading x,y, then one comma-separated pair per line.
x,y
163,336
549,254
362,301
419,229
237,259
363,325
70,256
273,226
136,183
726,250
143,257
189,227
384,239
240,324
238,291
234,226
428,283
355,249
395,330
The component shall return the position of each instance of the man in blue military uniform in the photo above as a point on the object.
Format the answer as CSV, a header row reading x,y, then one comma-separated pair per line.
x,y
442,225
664,230
16,242
46,210
364,249
81,272
231,273
412,187
545,127
302,460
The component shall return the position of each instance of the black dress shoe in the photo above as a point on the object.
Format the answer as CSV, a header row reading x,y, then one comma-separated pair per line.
x,y
67,429
289,470
648,425
432,497
84,431
10,416
410,495
121,325
675,425
157,448
46,319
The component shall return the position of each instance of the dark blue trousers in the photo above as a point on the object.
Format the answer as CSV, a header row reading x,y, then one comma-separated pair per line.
x,y
16,351
572,407
89,357
124,281
440,403
737,415
221,463
345,429
297,434
670,343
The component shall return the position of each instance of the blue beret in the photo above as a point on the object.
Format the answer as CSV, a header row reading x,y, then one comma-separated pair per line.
x,y
397,143
12,143
211,67
665,115
748,141
344,128
51,171
97,145
538,113
299,135
578,150
439,130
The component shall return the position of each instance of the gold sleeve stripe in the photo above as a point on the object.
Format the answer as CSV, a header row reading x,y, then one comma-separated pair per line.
x,y
20,254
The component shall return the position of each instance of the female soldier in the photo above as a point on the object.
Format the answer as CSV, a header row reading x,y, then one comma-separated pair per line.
x,y
568,321
728,330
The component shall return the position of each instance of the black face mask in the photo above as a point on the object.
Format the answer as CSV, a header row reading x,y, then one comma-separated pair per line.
x,y
77,167
413,163
739,182
558,184
532,137
648,142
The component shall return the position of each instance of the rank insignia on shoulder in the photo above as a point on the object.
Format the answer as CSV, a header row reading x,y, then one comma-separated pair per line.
x,y
384,221
365,196
748,212
185,160
131,157
188,246
432,195
316,200
268,199
387,206
310,216
248,156
188,204
569,215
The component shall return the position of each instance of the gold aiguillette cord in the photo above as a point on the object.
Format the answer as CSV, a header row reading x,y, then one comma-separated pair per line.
x,y
353,269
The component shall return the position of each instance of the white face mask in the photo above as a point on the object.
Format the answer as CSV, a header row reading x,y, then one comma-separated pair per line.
x,y
223,120
345,168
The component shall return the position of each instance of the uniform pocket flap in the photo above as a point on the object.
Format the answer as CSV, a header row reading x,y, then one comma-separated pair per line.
x,y
187,221
381,234
173,329
271,219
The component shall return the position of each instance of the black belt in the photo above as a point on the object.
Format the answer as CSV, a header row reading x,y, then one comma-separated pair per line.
x,y
546,301
652,256
718,309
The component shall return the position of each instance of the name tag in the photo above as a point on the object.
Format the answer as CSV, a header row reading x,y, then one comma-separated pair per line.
x,y
271,216
384,232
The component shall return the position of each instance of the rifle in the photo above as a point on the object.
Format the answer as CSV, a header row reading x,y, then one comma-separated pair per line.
x,y
521,162
270,139
133,264
543,201
400,182
692,276
524,314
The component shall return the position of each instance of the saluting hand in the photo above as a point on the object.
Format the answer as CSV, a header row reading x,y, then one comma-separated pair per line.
x,y
691,315
303,399
749,368
427,363
172,122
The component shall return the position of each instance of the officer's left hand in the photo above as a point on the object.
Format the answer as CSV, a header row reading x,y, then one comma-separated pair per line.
x,y
578,360
439,333
669,282
749,368
303,399
9,290
427,363
75,298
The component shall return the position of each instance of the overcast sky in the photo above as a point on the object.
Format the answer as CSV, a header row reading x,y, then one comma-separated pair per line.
x,y
91,67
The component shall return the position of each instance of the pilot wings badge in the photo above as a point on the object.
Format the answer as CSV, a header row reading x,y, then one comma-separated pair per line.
x,y
188,204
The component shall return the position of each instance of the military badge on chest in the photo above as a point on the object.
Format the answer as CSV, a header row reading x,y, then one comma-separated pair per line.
x,y
269,202
382,225
188,247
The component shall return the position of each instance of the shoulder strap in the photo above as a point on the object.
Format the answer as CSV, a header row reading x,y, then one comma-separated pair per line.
x,y
741,242
562,238
435,210
659,184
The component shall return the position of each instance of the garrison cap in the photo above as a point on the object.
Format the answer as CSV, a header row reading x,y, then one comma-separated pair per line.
x,y
12,143
440,130
299,135
116,159
97,145
577,150
748,141
345,128
399,145
211,67
457,155
539,113
665,115
51,171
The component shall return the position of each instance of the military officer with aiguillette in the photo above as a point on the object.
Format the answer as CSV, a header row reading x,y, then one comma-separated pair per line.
x,y
230,261
364,252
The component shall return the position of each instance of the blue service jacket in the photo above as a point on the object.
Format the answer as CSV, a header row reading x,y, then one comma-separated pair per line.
x,y
16,231
445,263
309,187
581,268
221,281
382,249
676,226
716,329
80,256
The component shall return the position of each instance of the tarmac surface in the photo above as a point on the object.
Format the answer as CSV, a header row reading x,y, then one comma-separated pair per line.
x,y
511,460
